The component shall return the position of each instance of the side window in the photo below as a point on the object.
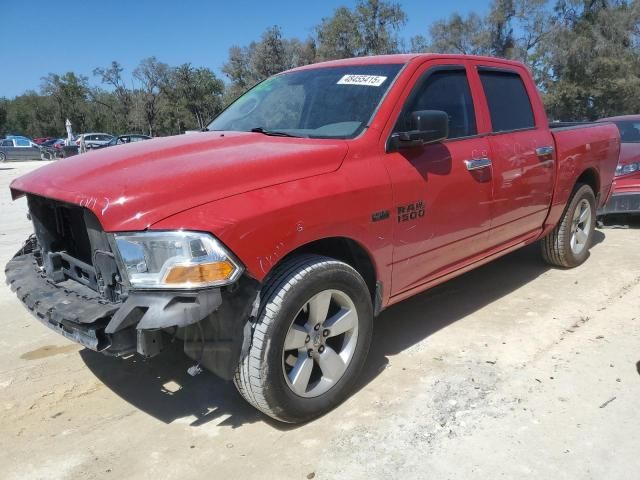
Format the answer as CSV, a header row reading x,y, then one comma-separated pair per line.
x,y
508,100
7,143
446,90
21,142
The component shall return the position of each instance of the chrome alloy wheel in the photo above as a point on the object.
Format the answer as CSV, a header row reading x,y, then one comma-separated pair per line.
x,y
320,343
581,226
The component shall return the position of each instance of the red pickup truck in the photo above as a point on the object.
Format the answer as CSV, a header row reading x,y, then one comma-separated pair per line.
x,y
317,199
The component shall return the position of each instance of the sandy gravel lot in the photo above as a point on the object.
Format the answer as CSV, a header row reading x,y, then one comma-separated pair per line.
x,y
514,370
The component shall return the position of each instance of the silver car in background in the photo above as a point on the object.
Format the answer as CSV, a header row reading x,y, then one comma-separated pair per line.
x,y
92,140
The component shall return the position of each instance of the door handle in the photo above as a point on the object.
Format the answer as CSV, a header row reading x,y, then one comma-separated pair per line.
x,y
477,164
544,151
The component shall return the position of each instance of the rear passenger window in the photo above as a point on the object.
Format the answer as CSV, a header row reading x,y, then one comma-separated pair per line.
x,y
446,90
508,100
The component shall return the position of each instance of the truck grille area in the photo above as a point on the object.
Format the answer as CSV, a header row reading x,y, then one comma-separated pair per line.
x,y
71,245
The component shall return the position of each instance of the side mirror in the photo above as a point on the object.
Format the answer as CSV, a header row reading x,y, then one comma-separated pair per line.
x,y
427,126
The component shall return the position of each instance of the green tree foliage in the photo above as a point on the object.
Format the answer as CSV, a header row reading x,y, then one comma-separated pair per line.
x,y
31,114
4,106
151,75
70,93
270,55
121,104
511,29
584,54
338,36
466,35
593,62
369,29
197,91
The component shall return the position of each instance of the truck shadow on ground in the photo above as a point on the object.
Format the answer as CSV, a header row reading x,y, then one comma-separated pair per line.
x,y
162,388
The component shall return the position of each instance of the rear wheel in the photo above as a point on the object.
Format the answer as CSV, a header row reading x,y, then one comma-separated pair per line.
x,y
310,340
568,243
3,157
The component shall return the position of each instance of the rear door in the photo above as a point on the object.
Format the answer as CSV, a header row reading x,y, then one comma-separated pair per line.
x,y
442,208
522,155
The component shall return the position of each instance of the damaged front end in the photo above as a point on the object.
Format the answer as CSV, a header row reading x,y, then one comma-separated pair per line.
x,y
72,276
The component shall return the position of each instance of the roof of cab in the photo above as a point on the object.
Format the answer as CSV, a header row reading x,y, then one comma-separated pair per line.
x,y
400,58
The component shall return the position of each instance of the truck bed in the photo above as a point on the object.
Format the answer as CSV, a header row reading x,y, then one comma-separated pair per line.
x,y
573,155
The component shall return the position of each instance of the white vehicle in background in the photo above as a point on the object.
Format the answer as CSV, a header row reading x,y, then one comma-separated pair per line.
x,y
92,140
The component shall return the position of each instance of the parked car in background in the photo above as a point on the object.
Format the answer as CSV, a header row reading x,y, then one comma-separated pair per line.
x,y
626,186
58,148
51,142
92,140
124,139
18,149
42,140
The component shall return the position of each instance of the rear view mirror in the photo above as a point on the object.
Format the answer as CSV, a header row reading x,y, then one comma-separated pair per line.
x,y
427,126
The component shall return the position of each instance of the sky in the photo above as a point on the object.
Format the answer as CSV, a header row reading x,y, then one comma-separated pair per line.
x,y
57,36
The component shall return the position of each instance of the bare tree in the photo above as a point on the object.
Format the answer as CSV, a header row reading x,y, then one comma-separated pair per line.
x,y
152,75
112,76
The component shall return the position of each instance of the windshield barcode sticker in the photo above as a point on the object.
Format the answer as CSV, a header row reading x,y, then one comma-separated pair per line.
x,y
368,80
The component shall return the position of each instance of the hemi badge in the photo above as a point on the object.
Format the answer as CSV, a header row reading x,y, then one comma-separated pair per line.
x,y
381,215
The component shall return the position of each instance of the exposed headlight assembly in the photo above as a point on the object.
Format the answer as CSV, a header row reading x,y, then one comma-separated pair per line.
x,y
175,260
627,169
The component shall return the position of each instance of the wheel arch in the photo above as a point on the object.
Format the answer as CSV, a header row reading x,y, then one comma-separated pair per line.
x,y
590,177
346,250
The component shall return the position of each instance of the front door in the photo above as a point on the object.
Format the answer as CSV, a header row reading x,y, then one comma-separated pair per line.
x,y
442,192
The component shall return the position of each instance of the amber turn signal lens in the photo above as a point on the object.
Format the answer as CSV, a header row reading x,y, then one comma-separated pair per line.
x,y
201,273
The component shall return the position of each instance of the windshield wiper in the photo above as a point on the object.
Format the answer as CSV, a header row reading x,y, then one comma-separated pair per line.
x,y
272,133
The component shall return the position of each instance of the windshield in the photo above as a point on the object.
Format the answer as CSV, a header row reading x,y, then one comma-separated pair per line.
x,y
330,102
629,131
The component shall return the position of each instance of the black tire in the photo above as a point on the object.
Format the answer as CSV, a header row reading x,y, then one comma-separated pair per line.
x,y
3,157
260,376
556,247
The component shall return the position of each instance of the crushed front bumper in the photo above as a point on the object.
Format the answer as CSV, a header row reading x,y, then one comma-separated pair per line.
x,y
212,323
69,308
622,203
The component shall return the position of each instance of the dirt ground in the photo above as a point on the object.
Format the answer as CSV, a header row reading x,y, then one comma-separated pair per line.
x,y
514,370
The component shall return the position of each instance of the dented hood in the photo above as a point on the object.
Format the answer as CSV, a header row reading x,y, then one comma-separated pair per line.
x,y
131,187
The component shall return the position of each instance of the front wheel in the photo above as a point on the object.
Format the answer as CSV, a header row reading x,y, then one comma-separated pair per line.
x,y
310,340
568,243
